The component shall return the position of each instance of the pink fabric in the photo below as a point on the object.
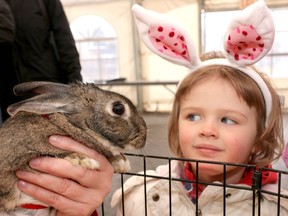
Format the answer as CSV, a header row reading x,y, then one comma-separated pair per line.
x,y
244,43
95,213
168,41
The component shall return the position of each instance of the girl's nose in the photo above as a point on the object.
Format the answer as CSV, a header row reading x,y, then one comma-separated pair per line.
x,y
209,129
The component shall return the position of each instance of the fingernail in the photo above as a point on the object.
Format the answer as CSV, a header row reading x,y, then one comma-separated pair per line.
x,y
22,184
53,139
20,173
34,162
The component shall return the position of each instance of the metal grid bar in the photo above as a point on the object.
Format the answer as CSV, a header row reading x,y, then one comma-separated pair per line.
x,y
256,187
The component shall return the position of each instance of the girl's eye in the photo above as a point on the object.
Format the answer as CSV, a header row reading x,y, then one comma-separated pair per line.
x,y
227,121
194,117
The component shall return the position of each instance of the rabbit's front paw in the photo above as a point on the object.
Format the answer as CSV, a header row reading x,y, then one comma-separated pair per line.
x,y
83,160
121,164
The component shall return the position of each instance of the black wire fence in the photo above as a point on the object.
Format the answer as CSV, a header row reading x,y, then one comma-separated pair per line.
x,y
145,161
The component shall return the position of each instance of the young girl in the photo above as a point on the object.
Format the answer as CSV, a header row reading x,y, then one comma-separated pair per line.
x,y
225,114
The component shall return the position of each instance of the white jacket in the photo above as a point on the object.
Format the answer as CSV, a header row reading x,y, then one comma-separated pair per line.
x,y
210,203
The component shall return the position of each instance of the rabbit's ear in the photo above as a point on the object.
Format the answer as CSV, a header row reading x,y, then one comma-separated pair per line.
x,y
40,88
45,104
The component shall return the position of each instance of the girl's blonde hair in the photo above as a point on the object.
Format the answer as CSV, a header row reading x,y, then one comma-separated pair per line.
x,y
269,141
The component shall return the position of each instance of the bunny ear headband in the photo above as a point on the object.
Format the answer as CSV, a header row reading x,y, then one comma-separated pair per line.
x,y
248,39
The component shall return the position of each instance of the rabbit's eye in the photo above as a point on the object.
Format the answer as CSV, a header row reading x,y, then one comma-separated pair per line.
x,y
118,108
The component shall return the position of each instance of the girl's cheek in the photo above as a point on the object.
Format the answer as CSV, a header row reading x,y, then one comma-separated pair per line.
x,y
285,155
184,137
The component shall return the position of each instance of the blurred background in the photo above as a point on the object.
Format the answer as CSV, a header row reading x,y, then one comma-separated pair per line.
x,y
109,47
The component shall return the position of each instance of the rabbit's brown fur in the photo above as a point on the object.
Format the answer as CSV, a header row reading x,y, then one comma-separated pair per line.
x,y
103,120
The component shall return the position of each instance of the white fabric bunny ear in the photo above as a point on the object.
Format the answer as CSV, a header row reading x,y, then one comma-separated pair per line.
x,y
165,37
250,35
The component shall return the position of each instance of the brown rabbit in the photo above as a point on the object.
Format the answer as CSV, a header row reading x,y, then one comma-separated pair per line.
x,y
103,120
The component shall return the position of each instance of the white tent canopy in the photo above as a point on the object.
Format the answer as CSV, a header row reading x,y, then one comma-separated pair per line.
x,y
135,60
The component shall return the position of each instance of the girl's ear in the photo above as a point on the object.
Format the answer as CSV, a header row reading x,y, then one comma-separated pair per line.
x,y
255,149
285,155
253,153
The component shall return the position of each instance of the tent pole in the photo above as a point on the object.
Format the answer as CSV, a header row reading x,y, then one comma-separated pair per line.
x,y
137,61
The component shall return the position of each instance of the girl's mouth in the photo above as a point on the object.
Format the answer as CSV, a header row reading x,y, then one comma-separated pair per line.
x,y
207,149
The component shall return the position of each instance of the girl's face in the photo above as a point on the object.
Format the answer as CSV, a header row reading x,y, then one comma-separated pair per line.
x,y
216,125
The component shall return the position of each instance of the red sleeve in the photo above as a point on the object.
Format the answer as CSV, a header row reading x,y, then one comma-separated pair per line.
x,y
95,213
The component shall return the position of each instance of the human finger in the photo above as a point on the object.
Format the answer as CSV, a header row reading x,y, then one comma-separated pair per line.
x,y
64,169
68,144
64,206
61,186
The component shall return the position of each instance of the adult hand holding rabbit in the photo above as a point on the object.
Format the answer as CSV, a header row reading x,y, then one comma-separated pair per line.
x,y
72,190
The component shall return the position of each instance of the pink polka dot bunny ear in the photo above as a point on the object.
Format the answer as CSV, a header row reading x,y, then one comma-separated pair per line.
x,y
250,35
165,37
